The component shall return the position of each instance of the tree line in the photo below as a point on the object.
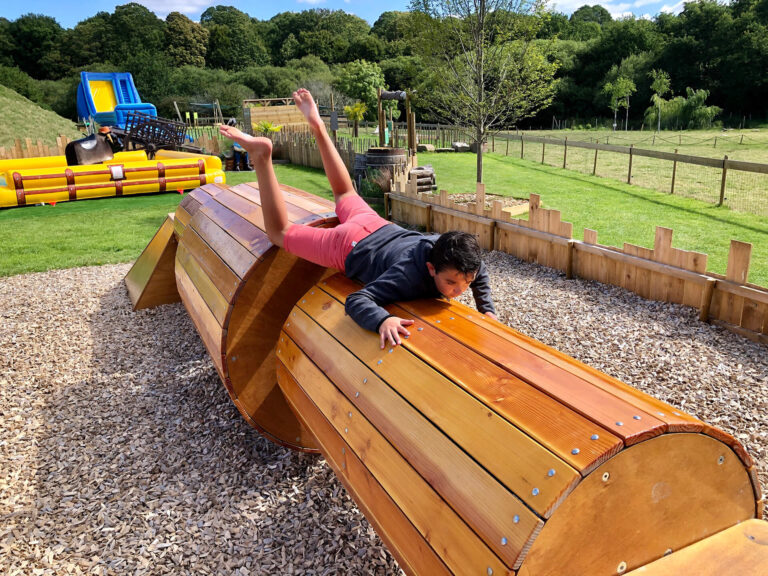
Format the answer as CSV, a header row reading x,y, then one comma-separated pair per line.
x,y
705,64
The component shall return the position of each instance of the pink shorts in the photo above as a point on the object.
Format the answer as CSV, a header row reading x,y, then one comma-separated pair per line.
x,y
329,247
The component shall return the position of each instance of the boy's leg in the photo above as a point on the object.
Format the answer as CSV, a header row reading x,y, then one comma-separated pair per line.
x,y
335,170
272,201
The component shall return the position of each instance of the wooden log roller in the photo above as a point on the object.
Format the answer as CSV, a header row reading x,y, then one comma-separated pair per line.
x,y
471,448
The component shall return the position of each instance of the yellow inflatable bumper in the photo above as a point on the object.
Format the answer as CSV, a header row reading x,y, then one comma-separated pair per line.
x,y
49,179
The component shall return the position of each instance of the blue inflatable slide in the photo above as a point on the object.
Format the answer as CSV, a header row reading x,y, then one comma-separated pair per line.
x,y
107,97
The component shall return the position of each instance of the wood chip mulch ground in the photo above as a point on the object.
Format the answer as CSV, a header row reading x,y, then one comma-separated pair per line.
x,y
121,453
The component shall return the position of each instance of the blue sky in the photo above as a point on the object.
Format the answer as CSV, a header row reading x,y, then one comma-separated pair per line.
x,y
69,13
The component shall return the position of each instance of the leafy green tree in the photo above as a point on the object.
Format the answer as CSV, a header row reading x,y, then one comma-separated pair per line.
x,y
596,14
618,92
185,41
486,71
234,42
660,86
355,112
36,46
133,30
391,26
6,43
361,80
86,43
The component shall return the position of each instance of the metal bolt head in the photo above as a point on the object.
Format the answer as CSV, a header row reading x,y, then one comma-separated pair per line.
x,y
516,519
721,459
594,437
535,491
346,430
365,380
551,472
637,417
420,328
575,451
489,571
349,414
621,568
606,476
357,394
619,423
503,541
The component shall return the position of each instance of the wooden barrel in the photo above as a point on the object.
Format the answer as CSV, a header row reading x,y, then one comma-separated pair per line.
x,y
386,159
473,449
238,289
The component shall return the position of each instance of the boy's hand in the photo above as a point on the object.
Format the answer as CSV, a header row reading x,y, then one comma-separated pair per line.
x,y
390,330
491,315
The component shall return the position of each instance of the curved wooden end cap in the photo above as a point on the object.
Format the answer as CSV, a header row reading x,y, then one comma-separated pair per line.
x,y
657,496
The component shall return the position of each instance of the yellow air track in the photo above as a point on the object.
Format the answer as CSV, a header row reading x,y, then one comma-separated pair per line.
x,y
49,179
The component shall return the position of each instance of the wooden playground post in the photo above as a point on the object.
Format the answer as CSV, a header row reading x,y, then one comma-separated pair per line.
x,y
382,128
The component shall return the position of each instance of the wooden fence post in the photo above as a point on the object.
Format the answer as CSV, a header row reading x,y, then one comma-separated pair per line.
x,y
594,166
507,152
629,172
542,151
722,181
522,146
674,172
706,299
565,153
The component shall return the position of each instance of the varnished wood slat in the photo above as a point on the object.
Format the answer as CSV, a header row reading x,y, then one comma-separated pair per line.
x,y
252,211
203,319
571,436
741,549
666,493
535,418
251,237
183,216
614,414
222,276
298,209
675,419
487,506
409,548
215,301
232,252
151,280
461,550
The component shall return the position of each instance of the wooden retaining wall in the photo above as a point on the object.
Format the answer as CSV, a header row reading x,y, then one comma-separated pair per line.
x,y
661,273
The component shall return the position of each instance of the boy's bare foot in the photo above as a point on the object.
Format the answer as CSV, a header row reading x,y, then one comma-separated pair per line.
x,y
258,148
306,104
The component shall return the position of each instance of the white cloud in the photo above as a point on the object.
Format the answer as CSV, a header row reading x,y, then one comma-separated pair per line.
x,y
188,7
674,9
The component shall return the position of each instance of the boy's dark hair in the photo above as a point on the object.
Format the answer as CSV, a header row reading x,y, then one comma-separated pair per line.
x,y
458,250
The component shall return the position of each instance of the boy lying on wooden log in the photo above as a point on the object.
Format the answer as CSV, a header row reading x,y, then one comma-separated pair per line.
x,y
394,264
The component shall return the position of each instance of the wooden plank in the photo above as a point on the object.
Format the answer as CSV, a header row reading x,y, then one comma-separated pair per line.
x,y
225,280
739,257
461,550
249,236
233,253
675,420
214,299
663,494
182,216
535,413
409,548
506,452
484,504
151,281
207,327
240,199
608,411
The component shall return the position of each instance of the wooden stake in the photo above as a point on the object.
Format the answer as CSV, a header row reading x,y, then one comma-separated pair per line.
x,y
722,181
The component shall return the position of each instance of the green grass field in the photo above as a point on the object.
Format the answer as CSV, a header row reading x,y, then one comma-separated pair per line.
x,y
21,118
619,212
113,230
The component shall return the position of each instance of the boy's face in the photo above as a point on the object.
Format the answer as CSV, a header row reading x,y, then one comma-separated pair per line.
x,y
450,282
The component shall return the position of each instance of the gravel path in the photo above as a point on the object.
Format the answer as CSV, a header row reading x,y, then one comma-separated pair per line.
x,y
120,452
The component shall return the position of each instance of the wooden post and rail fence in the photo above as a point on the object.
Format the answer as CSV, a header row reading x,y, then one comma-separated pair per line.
x,y
661,273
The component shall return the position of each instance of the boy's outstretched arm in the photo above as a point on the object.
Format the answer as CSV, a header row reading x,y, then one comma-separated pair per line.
x,y
481,290
335,170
